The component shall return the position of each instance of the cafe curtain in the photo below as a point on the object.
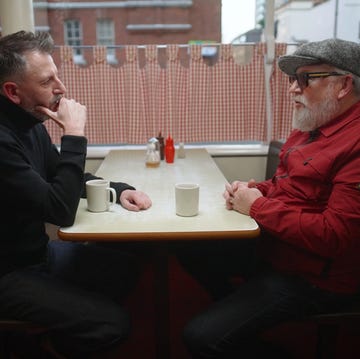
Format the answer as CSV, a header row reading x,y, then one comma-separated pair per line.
x,y
202,99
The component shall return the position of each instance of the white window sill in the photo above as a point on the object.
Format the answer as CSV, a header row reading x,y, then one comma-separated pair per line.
x,y
214,150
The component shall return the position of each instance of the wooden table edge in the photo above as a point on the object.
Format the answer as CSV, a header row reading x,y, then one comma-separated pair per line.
x,y
158,236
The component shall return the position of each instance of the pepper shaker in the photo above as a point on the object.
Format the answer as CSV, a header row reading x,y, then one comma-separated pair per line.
x,y
181,150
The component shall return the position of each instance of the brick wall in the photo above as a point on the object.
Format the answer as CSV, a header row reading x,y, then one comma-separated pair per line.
x,y
204,16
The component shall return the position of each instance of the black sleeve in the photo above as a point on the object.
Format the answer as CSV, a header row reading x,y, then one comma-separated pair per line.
x,y
39,182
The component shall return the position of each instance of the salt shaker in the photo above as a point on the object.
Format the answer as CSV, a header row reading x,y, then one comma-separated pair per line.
x,y
181,150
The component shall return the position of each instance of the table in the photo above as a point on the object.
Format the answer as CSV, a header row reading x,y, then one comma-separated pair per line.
x,y
159,224
160,221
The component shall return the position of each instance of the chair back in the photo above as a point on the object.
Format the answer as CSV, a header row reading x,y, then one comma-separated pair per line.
x,y
273,158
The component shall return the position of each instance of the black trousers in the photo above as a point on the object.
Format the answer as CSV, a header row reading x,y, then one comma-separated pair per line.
x,y
232,326
76,294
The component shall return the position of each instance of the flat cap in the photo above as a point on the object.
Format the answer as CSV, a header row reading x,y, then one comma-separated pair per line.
x,y
342,54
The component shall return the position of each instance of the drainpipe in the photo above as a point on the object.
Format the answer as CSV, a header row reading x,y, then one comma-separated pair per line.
x,y
336,18
269,63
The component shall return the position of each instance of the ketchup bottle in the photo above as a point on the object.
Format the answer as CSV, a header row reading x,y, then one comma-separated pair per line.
x,y
169,150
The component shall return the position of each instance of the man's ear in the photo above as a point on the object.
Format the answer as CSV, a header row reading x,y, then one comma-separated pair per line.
x,y
10,90
347,86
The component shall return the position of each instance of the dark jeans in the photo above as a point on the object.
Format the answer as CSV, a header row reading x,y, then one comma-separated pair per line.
x,y
232,326
75,295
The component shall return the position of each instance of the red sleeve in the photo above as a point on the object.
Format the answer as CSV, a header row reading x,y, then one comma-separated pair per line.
x,y
329,232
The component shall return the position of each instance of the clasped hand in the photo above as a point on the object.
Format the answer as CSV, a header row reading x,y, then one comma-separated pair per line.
x,y
240,196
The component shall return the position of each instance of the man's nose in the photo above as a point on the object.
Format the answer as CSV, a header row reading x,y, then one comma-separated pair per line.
x,y
60,88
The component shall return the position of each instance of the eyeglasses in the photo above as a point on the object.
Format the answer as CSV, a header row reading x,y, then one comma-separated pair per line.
x,y
303,77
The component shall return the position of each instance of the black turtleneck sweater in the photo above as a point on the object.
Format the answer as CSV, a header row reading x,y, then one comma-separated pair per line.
x,y
38,184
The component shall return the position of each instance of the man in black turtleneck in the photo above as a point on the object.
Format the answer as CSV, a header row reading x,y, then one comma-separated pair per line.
x,y
71,289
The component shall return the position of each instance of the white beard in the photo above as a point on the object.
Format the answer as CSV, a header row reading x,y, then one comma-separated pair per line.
x,y
318,114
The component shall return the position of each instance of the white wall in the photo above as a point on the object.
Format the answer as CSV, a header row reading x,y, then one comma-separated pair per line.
x,y
300,21
349,20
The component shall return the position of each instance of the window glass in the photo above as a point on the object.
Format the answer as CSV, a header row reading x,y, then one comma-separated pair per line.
x,y
73,37
105,35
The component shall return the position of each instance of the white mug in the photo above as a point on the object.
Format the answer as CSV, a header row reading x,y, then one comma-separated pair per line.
x,y
98,195
187,199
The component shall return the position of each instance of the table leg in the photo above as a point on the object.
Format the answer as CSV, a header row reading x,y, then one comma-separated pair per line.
x,y
161,292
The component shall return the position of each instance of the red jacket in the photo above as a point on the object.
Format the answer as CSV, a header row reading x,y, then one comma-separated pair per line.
x,y
310,212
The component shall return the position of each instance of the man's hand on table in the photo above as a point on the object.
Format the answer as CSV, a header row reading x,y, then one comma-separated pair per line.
x,y
241,195
135,200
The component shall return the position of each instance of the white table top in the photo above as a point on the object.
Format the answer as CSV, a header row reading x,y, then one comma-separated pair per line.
x,y
160,221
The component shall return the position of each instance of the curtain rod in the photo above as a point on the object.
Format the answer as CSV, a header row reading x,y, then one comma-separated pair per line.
x,y
158,46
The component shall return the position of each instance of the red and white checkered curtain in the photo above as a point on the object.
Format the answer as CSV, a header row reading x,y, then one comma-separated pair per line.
x,y
224,102
282,107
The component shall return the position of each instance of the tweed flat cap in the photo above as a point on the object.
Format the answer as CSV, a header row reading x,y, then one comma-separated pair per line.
x,y
342,54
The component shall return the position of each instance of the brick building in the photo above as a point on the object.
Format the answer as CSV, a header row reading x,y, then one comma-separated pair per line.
x,y
91,22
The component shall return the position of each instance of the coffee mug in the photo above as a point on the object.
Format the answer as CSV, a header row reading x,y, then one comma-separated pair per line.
x,y
187,199
98,195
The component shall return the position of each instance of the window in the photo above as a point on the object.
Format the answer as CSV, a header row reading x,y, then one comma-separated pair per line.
x,y
105,35
73,37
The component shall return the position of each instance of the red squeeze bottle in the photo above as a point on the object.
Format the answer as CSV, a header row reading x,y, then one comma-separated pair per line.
x,y
169,150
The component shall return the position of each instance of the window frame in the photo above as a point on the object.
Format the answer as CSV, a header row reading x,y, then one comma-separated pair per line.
x,y
105,36
74,39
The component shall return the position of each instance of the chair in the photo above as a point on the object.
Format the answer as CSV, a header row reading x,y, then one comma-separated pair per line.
x,y
10,328
273,158
328,328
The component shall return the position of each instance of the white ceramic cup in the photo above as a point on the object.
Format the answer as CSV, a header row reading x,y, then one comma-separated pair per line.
x,y
98,195
187,199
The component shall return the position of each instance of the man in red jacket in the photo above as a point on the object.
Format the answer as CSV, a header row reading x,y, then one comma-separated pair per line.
x,y
307,260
